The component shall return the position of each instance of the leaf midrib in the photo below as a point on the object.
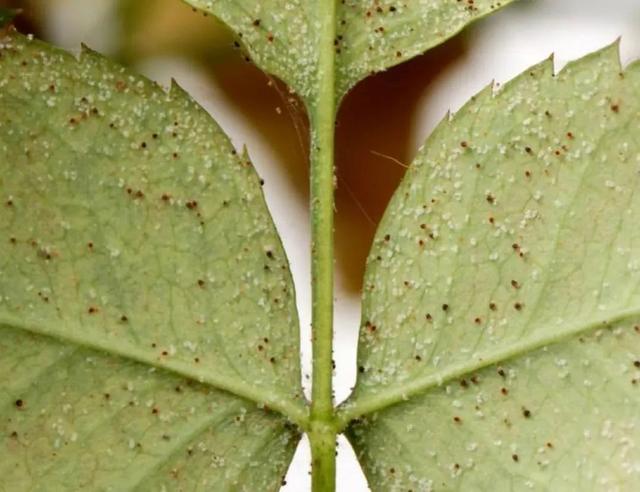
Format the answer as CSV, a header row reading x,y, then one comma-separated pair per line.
x,y
355,408
291,409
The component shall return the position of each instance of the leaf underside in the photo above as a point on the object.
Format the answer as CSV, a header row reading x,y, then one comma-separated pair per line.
x,y
500,344
140,276
282,35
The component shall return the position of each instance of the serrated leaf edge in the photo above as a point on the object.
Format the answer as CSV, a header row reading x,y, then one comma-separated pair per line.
x,y
355,408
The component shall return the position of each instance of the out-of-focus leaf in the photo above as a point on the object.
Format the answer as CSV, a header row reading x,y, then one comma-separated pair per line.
x,y
7,15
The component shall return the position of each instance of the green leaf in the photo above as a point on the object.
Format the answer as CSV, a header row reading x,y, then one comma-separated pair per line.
x,y
283,36
7,15
500,348
374,36
137,260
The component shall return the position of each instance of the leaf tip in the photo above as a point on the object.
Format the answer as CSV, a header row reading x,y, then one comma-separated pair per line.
x,y
87,53
176,90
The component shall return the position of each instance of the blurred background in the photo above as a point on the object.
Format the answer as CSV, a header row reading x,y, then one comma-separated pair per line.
x,y
381,124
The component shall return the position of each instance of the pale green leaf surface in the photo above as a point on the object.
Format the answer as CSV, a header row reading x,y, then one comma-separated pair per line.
x,y
135,246
502,295
89,421
374,36
282,36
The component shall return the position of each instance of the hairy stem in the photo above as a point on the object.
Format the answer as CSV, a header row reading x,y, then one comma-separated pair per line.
x,y
322,115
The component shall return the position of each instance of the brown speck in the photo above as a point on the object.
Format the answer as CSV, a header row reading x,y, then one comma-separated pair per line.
x,y
92,310
493,306
445,307
515,284
192,204
615,108
464,144
637,364
124,318
457,420
19,403
526,413
504,391
501,372
518,306
387,237
515,457
200,283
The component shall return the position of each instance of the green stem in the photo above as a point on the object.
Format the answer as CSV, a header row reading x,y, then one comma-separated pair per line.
x,y
322,116
322,439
